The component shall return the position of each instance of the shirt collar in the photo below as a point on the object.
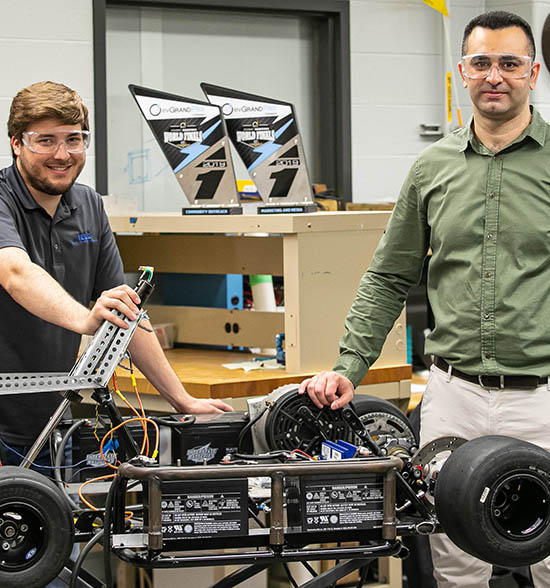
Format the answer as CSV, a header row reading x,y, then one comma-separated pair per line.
x,y
20,188
69,199
536,129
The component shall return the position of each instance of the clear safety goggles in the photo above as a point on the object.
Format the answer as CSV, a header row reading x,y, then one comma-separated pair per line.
x,y
480,65
74,141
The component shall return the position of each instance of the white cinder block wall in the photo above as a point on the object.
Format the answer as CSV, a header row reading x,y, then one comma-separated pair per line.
x,y
397,84
46,41
397,70
397,73
535,12
539,11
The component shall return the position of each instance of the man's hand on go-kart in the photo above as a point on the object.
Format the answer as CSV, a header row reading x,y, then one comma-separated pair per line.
x,y
203,405
328,389
122,298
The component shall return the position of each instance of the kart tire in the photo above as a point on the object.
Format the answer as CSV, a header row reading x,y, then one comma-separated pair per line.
x,y
36,529
492,498
364,405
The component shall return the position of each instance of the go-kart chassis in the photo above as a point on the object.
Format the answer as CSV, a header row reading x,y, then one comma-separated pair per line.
x,y
280,545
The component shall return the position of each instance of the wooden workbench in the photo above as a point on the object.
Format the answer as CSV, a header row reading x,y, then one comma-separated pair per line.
x,y
321,257
203,375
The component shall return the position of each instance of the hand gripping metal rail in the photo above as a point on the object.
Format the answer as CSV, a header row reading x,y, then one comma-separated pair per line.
x,y
92,370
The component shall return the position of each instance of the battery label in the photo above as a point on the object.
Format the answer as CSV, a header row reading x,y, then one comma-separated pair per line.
x,y
214,508
341,504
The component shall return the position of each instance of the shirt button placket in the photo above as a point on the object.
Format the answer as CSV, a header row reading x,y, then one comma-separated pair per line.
x,y
489,251
56,247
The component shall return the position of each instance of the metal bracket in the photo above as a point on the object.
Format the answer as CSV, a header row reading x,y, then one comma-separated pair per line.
x,y
434,131
93,369
131,540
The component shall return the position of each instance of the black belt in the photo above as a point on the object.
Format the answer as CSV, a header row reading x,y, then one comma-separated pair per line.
x,y
486,381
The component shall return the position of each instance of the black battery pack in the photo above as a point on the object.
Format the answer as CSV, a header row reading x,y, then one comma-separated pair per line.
x,y
340,503
210,438
86,449
205,441
199,509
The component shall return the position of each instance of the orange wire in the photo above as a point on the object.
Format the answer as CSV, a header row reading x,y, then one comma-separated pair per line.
x,y
125,423
88,504
145,444
129,514
134,386
109,476
144,420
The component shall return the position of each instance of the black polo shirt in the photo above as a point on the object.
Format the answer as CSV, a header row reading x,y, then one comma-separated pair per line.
x,y
78,249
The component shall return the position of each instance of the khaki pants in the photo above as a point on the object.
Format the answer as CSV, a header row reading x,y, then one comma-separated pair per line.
x,y
451,406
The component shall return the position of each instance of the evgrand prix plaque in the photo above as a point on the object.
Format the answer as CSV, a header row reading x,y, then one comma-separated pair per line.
x,y
193,138
265,134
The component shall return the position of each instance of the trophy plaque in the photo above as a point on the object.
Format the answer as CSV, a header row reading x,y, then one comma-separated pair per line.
x,y
265,135
194,140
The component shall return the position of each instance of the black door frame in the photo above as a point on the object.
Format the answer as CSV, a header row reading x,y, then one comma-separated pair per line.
x,y
332,76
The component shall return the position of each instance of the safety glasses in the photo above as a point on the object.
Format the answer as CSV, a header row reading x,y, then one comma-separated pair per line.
x,y
74,141
480,65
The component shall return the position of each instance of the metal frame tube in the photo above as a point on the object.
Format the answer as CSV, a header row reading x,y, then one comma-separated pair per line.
x,y
276,528
390,521
45,434
263,557
155,514
388,466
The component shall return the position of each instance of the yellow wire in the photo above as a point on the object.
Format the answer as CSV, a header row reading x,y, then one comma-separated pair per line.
x,y
142,418
96,422
134,386
145,444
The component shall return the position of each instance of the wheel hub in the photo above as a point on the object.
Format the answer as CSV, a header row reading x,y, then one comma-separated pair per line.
x,y
431,458
520,505
21,536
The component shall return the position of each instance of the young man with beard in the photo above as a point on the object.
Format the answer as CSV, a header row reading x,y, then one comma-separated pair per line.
x,y
480,199
57,254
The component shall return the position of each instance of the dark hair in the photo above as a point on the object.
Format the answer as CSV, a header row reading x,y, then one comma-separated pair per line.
x,y
499,19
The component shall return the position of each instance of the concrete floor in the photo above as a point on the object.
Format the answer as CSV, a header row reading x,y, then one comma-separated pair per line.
x,y
508,581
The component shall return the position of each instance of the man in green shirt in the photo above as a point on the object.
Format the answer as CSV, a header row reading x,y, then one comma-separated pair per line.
x,y
480,199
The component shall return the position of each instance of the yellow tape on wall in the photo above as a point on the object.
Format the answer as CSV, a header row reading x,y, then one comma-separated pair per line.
x,y
449,98
438,5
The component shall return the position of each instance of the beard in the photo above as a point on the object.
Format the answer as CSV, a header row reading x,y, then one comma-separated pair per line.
x,y
47,187
32,176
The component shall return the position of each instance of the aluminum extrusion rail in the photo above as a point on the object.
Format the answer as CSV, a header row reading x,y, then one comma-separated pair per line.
x,y
92,370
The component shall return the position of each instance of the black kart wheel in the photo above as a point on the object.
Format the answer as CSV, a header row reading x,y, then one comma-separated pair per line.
x,y
382,418
492,498
36,529
294,422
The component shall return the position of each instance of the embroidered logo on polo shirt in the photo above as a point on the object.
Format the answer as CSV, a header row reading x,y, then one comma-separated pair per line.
x,y
84,238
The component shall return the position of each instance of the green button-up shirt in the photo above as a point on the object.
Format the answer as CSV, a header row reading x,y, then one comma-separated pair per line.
x,y
486,217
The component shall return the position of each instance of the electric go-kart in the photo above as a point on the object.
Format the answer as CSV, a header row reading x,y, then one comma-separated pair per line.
x,y
291,483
